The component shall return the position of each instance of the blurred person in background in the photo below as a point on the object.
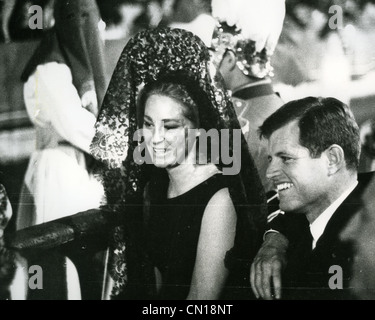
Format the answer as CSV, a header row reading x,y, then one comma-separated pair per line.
x,y
360,38
310,59
121,17
367,161
15,17
243,44
194,16
361,230
6,13
64,86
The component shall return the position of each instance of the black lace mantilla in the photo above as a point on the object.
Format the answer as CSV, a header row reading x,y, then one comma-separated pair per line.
x,y
147,57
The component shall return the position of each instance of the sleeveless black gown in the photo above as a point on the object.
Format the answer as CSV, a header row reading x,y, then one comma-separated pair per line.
x,y
172,237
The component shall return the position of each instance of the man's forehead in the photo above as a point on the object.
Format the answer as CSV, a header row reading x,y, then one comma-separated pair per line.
x,y
285,137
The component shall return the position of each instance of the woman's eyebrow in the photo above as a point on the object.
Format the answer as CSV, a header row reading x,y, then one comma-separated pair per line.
x,y
173,120
146,117
178,120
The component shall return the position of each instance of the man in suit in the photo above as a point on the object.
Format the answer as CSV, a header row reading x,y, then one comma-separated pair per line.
x,y
314,148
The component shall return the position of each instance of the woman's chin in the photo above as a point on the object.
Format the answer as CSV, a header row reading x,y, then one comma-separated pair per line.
x,y
163,164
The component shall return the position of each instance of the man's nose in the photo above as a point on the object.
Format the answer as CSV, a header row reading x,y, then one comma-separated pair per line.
x,y
273,169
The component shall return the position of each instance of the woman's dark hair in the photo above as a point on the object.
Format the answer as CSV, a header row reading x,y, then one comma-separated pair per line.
x,y
322,123
321,5
176,91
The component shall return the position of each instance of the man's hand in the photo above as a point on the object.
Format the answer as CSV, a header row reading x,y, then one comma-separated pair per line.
x,y
268,265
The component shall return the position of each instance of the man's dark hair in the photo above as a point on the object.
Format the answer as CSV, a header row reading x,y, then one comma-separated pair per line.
x,y
322,123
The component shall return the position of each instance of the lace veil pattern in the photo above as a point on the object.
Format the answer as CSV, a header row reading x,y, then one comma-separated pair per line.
x,y
149,56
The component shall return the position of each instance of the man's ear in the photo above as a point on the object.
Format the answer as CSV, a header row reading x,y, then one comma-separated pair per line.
x,y
229,60
336,158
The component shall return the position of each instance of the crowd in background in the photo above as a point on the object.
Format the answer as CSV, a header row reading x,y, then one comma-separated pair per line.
x,y
311,56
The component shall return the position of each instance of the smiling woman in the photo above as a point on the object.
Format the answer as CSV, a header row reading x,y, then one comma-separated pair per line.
x,y
169,113
189,230
181,219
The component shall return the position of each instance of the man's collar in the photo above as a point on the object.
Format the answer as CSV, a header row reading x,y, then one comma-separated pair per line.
x,y
320,223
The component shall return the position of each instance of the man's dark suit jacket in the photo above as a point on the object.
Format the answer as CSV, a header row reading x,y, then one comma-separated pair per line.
x,y
307,275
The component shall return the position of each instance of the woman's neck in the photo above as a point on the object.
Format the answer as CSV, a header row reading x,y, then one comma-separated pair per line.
x,y
184,177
